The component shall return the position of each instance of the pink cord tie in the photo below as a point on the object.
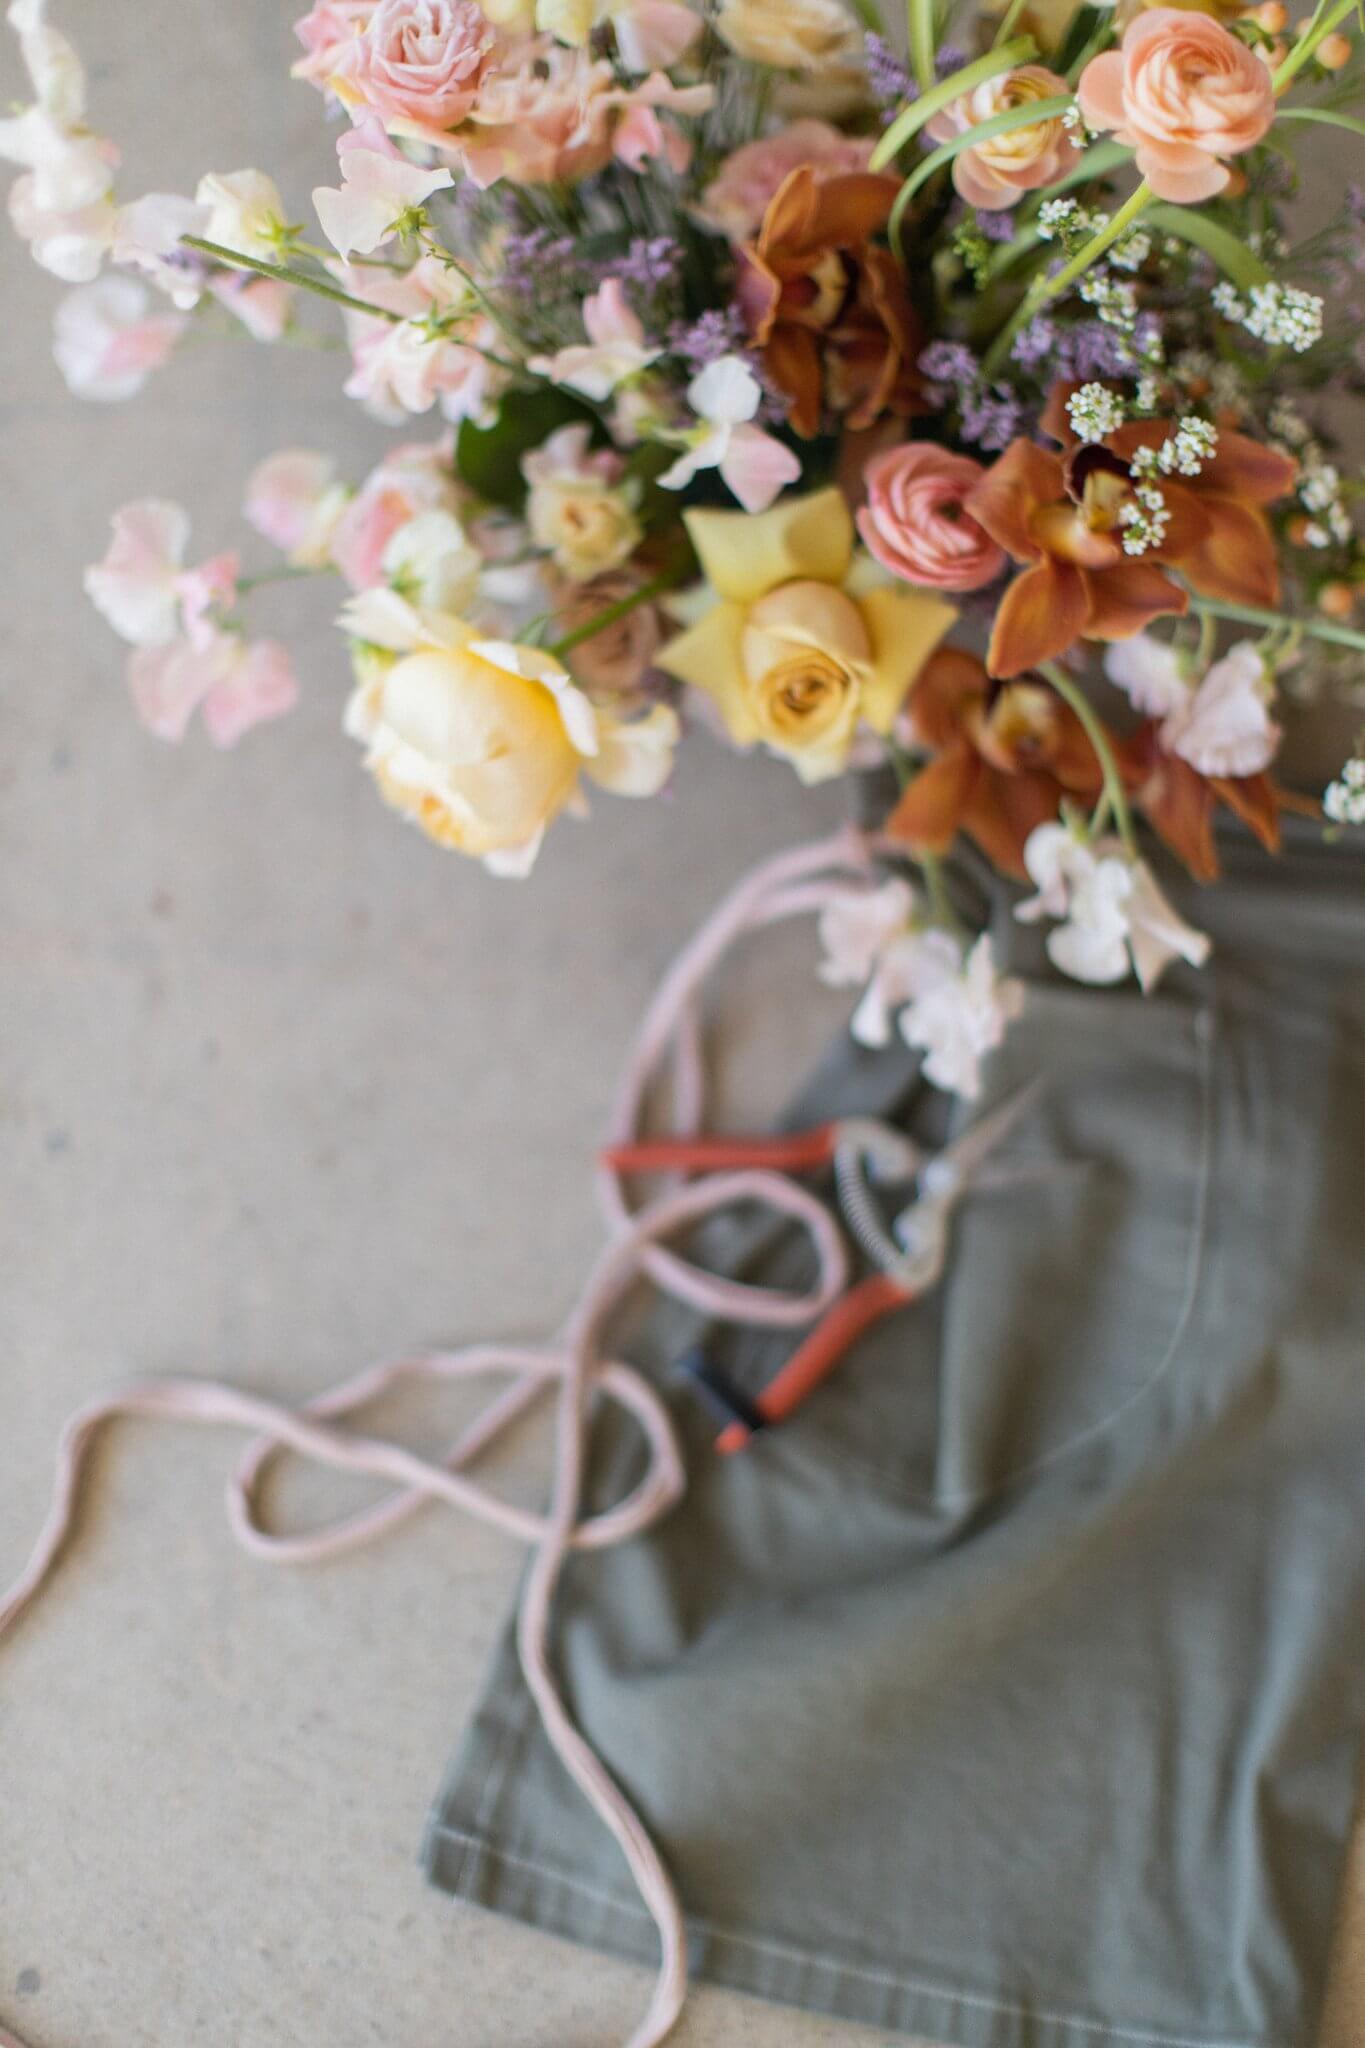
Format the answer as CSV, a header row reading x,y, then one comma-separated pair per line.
x,y
802,880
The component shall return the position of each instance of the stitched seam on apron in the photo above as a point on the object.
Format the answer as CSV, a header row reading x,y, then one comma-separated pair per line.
x,y
1102,2030
1204,1025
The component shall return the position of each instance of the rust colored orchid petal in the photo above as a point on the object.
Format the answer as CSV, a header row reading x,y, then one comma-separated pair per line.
x,y
1180,804
931,809
1012,492
850,210
1126,598
790,216
1003,811
792,359
1018,728
1043,612
1248,471
1236,558
1188,518
1255,800
1062,532
950,684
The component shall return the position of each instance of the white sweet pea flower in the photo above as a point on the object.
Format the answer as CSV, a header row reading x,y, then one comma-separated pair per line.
x,y
1221,724
868,939
378,188
961,1015
294,499
245,212
1115,918
72,169
71,245
432,562
615,349
148,236
755,465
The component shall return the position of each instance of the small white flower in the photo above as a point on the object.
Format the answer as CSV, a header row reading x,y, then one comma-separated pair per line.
x,y
1095,412
107,341
1344,800
148,237
431,562
245,212
137,585
378,190
1220,724
615,349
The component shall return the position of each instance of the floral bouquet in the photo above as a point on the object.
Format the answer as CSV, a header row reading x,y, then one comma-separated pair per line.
x,y
934,392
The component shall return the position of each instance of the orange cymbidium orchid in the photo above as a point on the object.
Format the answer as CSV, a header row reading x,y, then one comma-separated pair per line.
x,y
1181,803
1063,515
826,303
1004,754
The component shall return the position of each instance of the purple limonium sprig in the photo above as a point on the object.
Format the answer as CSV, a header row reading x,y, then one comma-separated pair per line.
x,y
991,417
718,332
526,260
650,263
888,79
1035,344
996,227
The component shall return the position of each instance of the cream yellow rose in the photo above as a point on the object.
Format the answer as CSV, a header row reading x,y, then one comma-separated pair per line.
x,y
577,507
791,35
482,743
801,641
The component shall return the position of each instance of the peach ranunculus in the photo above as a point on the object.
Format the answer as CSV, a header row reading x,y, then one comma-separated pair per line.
x,y
417,62
482,743
993,174
790,35
1184,92
737,198
913,521
798,645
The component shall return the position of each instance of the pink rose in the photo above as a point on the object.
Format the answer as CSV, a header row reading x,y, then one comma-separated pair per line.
x,y
1182,92
614,662
913,521
994,173
420,61
324,31
737,197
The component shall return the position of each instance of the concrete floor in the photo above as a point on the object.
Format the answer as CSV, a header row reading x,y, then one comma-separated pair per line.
x,y
281,1088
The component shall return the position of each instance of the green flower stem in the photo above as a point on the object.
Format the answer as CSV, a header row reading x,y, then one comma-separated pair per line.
x,y
1325,19
1251,615
233,259
1114,791
289,572
1045,289
1009,20
667,579
920,23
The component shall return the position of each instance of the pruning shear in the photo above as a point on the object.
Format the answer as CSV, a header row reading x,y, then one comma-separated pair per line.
x,y
866,1154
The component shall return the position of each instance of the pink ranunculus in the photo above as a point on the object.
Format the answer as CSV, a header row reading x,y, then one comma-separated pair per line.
x,y
913,521
738,196
1184,92
995,173
418,61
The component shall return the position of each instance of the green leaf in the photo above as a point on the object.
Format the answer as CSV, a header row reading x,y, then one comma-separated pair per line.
x,y
998,124
1231,255
912,118
1327,114
489,458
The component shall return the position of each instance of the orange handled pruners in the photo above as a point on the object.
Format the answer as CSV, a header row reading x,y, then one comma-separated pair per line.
x,y
907,1259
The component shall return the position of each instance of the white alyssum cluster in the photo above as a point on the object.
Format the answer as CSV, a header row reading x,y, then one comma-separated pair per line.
x,y
1146,517
1344,800
1321,488
1095,412
1280,315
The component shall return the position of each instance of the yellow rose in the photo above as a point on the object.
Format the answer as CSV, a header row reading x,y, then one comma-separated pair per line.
x,y
791,35
802,642
482,743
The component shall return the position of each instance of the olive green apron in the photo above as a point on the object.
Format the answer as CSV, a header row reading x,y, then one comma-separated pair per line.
x,y
1010,1694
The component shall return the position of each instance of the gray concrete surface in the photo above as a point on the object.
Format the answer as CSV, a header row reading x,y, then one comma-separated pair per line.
x,y
280,1088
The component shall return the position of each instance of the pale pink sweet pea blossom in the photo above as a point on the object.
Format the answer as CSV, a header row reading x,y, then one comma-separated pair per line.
x,y
107,341
416,62
204,592
1183,92
869,942
417,477
293,498
406,366
378,189
71,245
1221,724
264,305
616,348
324,31
237,684
137,585
754,465
1115,918
554,116
738,196
148,236
996,173
913,521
